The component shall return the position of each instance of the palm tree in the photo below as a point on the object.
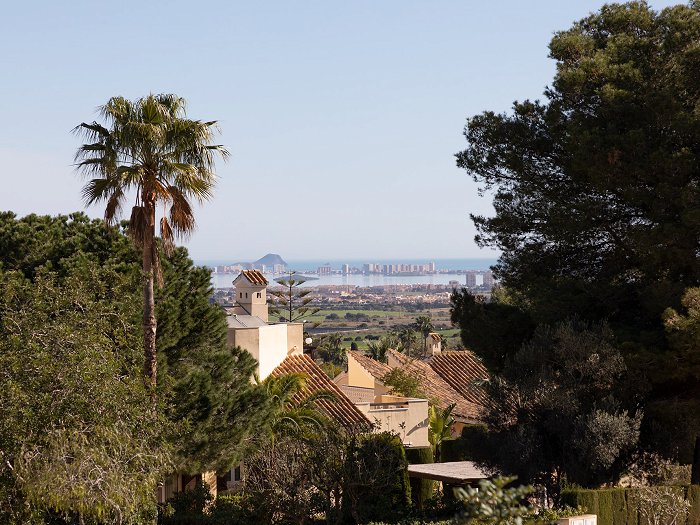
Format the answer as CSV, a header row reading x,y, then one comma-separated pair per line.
x,y
148,150
378,350
294,409
440,427
407,337
424,325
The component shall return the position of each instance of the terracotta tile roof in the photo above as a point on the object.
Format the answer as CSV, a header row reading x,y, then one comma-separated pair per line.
x,y
342,409
462,370
435,336
255,277
439,390
377,369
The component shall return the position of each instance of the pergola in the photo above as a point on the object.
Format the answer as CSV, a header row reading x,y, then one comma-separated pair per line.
x,y
450,473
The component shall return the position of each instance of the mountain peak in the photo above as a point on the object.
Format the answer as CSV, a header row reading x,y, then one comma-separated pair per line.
x,y
270,259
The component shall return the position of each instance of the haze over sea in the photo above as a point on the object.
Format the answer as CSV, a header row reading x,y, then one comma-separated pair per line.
x,y
304,266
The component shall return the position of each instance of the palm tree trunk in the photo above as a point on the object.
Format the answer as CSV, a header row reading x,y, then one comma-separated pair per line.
x,y
150,363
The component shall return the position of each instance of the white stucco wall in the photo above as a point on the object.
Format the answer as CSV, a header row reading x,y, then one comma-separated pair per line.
x,y
273,348
408,418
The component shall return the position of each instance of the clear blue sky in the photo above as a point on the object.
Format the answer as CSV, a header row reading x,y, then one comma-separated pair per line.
x,y
342,116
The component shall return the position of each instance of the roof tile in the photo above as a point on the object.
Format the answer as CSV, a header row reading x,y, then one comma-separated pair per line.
x,y
341,409
463,371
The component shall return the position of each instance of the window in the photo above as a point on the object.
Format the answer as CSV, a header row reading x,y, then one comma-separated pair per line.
x,y
246,295
259,295
237,473
241,294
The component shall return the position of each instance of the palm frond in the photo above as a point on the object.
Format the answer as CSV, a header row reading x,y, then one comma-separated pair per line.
x,y
138,224
92,132
181,214
114,205
166,235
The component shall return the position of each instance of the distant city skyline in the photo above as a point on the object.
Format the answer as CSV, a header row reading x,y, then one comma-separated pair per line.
x,y
342,118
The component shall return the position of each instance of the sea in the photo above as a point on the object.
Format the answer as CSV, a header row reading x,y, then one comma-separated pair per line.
x,y
305,267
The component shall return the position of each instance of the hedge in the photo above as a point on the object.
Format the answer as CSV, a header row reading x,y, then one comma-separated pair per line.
x,y
421,489
620,506
470,446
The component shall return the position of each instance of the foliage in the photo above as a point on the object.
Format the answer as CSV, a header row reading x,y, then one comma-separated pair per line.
x,y
294,410
187,507
404,382
279,482
292,303
557,409
649,469
330,349
493,502
596,188
422,490
631,506
151,149
328,473
407,339
424,325
208,407
378,350
332,370
77,435
663,506
494,330
440,423
376,484
205,382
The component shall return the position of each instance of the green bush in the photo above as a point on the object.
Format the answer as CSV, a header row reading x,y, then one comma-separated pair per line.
x,y
421,489
470,446
187,507
605,507
624,506
618,502
377,486
232,509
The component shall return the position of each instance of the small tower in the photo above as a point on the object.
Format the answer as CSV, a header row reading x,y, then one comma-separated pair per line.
x,y
251,294
434,343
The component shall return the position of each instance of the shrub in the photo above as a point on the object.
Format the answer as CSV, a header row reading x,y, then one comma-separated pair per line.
x,y
422,490
638,506
376,480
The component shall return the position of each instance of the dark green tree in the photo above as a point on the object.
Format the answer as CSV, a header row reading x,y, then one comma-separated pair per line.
x,y
378,350
407,339
596,188
330,349
207,383
596,191
205,387
493,329
565,408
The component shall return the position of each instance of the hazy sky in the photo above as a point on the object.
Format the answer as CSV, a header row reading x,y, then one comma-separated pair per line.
x,y
343,117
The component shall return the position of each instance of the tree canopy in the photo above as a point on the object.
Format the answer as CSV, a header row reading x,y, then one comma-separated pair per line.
x,y
596,191
72,283
596,188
